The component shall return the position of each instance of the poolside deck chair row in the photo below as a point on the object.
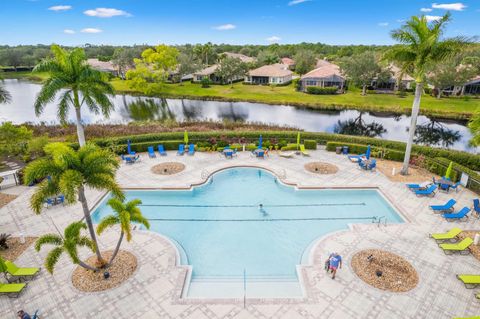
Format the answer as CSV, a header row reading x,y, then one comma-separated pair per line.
x,y
14,274
162,152
453,246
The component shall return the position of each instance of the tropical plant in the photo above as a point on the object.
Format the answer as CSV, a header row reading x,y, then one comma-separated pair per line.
x,y
230,69
305,61
205,52
123,60
452,73
14,139
187,64
66,171
77,83
124,215
3,240
422,46
68,243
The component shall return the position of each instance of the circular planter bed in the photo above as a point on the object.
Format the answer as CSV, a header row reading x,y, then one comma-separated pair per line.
x,y
122,268
321,168
168,168
384,270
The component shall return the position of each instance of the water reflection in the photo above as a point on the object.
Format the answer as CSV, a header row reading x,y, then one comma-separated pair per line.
x,y
148,109
133,108
434,133
358,126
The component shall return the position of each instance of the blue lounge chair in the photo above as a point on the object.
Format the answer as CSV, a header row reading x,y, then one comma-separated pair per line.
x,y
463,213
430,191
356,158
447,207
410,186
151,152
60,199
191,149
161,150
181,149
373,165
129,160
476,206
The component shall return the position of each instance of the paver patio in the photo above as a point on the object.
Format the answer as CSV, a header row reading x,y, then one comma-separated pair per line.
x,y
155,288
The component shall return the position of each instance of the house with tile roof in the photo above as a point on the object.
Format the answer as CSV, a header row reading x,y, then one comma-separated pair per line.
x,y
277,74
325,75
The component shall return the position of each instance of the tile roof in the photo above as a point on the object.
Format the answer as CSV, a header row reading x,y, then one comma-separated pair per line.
x,y
324,69
276,69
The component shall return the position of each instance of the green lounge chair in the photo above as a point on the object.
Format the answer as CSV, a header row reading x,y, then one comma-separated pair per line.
x,y
461,247
11,271
12,290
303,151
470,281
451,235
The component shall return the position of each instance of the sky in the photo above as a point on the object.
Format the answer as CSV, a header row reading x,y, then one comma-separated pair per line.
x,y
127,22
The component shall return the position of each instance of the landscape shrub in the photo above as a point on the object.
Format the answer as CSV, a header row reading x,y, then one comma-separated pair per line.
x,y
321,91
205,82
310,144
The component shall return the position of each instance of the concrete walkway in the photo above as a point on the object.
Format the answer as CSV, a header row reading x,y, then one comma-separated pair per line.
x,y
155,288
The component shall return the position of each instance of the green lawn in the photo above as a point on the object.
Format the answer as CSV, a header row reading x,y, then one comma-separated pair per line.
x,y
452,108
35,77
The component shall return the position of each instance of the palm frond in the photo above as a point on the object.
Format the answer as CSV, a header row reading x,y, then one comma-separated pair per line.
x,y
69,183
84,241
73,230
106,222
45,189
52,258
48,239
48,92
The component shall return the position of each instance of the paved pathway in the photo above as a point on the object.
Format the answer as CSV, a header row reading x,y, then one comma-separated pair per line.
x,y
154,290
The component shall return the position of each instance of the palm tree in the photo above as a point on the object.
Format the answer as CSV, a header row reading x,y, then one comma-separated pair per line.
x,y
67,243
66,171
422,46
77,83
124,215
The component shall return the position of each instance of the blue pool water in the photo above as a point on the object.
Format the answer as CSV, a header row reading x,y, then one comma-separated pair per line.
x,y
223,232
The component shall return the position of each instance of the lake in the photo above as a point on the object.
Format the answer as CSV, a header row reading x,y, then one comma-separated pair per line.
x,y
440,133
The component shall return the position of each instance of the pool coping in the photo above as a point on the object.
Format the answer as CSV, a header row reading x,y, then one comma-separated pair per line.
x,y
183,284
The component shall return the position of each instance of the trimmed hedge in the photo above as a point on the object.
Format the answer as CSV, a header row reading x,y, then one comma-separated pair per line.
x,y
321,91
469,160
310,144
392,155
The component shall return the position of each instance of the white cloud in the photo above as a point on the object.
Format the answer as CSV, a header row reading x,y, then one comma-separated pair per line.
x,y
91,30
273,39
60,8
457,6
224,27
426,9
68,31
106,13
294,2
383,24
432,18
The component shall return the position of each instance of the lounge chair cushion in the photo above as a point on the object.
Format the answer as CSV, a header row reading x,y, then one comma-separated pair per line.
x,y
452,233
464,244
14,270
470,279
11,288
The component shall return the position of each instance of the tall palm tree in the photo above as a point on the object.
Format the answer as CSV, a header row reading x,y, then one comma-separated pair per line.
x,y
124,214
76,83
66,171
422,46
68,243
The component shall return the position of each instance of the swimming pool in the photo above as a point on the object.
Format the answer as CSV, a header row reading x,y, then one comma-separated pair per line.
x,y
225,233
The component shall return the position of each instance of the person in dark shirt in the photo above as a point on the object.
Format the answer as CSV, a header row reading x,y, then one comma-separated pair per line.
x,y
23,315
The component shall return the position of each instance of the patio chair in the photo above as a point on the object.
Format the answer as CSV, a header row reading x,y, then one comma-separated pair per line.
x,y
129,160
447,207
451,235
362,164
61,199
463,213
303,151
356,158
260,154
12,290
228,154
476,206
49,202
461,247
430,191
372,166
181,149
13,273
470,281
455,186
191,149
414,187
151,152
161,150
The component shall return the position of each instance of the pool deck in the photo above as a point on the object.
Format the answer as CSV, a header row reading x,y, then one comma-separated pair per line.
x,y
155,288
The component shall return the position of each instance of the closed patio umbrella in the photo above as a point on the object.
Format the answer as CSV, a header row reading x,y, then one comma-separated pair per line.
x,y
185,137
260,142
298,140
367,153
449,170
129,148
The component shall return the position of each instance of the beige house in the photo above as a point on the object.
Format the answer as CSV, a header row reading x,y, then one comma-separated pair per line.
x,y
270,74
104,66
207,73
325,75
289,62
397,78
241,57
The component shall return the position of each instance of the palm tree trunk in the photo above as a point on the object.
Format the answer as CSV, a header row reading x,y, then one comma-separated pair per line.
x,y
86,266
413,125
364,90
88,220
80,131
116,249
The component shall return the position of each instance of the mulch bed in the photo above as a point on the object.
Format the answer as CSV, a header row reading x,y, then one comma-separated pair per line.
x,y
168,168
321,168
15,248
397,274
474,249
415,174
6,198
122,268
